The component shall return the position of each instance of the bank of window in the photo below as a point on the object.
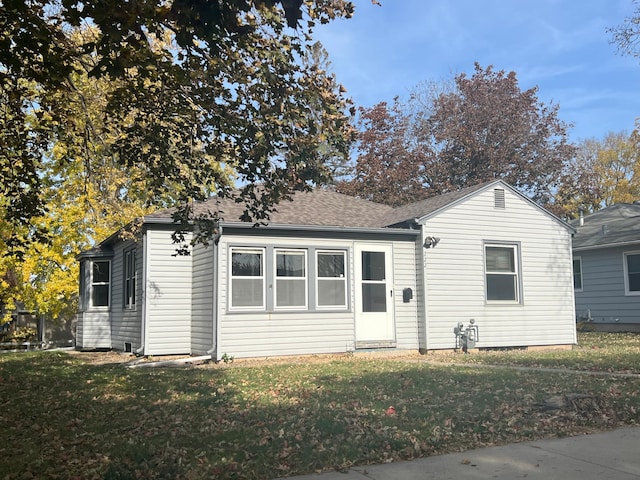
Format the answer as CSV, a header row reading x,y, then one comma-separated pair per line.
x,y
130,279
247,279
577,274
331,281
632,273
290,279
100,283
501,271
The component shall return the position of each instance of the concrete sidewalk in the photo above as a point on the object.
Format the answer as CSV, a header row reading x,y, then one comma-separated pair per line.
x,y
608,455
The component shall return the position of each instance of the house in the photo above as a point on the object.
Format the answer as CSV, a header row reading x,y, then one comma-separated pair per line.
x,y
332,273
606,264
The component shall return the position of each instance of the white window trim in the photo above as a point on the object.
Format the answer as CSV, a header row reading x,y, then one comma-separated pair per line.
x,y
92,284
627,292
128,303
516,261
344,278
579,259
296,251
242,308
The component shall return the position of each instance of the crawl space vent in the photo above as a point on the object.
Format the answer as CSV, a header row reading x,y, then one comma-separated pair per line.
x,y
498,198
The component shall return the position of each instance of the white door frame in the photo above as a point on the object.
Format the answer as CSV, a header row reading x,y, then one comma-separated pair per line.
x,y
374,327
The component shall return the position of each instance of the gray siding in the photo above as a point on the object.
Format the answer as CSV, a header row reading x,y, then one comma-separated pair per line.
x,y
455,278
168,297
202,300
126,323
603,287
271,333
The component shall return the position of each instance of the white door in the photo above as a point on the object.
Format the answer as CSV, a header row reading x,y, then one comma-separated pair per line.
x,y
374,295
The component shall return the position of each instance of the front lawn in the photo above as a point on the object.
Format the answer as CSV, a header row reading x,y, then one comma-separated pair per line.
x,y
63,417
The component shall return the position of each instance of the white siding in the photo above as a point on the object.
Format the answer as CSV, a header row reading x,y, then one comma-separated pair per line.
x,y
404,276
271,333
93,330
455,280
168,297
126,323
202,299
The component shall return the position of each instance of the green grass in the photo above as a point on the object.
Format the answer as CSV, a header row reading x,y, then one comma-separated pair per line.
x,y
63,418
596,352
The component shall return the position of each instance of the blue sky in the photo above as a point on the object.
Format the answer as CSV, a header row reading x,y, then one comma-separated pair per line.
x,y
561,46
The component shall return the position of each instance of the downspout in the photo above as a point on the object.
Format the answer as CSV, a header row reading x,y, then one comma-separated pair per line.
x,y
214,297
143,327
423,272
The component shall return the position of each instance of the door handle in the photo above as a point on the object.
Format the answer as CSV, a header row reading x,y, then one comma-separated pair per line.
x,y
391,293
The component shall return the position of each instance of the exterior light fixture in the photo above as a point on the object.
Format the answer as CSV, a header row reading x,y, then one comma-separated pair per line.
x,y
431,242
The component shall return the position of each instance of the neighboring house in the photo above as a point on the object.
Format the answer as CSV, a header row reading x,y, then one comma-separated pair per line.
x,y
606,264
332,273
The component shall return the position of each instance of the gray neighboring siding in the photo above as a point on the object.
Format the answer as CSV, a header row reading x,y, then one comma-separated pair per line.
x,y
603,287
168,297
455,279
202,299
126,323
274,333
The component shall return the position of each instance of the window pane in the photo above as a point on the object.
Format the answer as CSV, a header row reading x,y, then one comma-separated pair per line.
x,y
501,287
373,266
100,296
290,264
246,264
100,272
332,293
634,282
577,274
246,292
500,259
331,265
290,293
374,297
633,263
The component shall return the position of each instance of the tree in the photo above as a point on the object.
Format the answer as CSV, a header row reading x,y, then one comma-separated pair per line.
x,y
388,169
219,80
484,128
603,173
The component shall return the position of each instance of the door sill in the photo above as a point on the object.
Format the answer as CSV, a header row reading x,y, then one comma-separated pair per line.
x,y
376,344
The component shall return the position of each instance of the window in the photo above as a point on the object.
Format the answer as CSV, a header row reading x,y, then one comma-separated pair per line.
x,y
501,270
291,279
632,273
374,287
247,278
577,273
100,281
130,279
331,286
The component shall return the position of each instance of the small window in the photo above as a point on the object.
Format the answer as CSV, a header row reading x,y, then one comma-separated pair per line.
x,y
331,279
100,283
247,279
577,274
130,279
291,279
632,273
501,270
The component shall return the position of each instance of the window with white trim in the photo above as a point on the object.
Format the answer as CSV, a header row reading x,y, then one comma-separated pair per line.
x,y
632,273
130,279
100,283
331,279
501,273
290,279
577,274
247,279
